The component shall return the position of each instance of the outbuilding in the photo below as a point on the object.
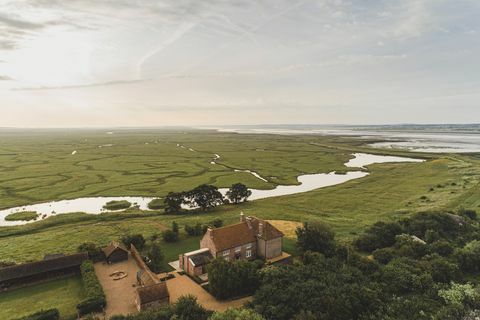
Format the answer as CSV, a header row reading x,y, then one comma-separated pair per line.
x,y
152,296
115,252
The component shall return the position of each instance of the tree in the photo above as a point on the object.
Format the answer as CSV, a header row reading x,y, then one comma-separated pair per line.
x,y
238,193
136,239
316,236
173,202
169,236
204,197
380,235
237,314
469,256
230,279
187,308
94,253
175,227
156,258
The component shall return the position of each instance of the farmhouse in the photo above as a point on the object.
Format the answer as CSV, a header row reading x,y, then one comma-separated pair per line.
x,y
53,266
250,239
115,252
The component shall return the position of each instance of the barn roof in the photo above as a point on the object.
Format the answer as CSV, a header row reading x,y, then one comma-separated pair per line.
x,y
39,267
152,293
112,247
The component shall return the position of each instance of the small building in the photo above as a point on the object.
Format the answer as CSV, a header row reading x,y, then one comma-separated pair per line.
x,y
152,296
115,252
195,263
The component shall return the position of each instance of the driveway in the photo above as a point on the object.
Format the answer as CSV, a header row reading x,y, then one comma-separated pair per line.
x,y
120,293
183,285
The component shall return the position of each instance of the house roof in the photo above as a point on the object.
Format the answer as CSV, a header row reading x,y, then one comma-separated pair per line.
x,y
201,259
269,232
152,293
39,267
243,233
145,278
108,250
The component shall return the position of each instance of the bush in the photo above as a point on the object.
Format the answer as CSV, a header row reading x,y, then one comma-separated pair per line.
x,y
95,297
136,239
50,314
169,236
380,235
316,236
94,253
197,230
232,279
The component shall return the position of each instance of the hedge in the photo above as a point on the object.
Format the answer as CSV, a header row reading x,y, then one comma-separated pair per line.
x,y
50,314
95,300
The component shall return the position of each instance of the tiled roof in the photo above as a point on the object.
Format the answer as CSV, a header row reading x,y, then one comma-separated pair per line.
x,y
243,233
153,293
108,250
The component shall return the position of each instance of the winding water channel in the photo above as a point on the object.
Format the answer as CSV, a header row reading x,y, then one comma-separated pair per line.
x,y
308,182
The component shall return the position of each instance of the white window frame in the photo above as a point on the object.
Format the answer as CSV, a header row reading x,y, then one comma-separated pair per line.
x,y
248,253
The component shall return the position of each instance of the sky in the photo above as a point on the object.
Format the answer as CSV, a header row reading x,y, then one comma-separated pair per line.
x,y
82,63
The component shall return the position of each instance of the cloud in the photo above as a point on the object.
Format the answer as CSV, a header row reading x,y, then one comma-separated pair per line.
x,y
4,78
80,86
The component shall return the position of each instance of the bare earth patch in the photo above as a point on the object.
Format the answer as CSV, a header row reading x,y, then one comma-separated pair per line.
x,y
287,227
120,293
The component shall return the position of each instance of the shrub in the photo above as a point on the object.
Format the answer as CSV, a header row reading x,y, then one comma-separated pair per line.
x,y
169,236
231,279
197,230
380,235
94,253
136,239
95,297
50,314
316,236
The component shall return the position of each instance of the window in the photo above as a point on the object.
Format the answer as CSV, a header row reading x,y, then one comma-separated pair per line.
x,y
248,254
226,254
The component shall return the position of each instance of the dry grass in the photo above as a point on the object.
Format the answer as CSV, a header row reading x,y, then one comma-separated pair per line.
x,y
287,227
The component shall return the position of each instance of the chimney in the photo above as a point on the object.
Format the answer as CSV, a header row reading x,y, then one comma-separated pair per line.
x,y
242,217
210,232
249,222
260,228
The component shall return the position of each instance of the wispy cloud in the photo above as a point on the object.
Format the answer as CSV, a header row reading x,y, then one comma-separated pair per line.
x,y
81,86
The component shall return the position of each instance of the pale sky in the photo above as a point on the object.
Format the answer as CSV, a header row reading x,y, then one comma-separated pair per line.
x,y
211,62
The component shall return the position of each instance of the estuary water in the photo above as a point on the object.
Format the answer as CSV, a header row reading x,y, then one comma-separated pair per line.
x,y
307,182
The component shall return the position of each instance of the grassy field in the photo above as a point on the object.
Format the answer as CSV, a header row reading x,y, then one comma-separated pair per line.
x,y
40,166
63,294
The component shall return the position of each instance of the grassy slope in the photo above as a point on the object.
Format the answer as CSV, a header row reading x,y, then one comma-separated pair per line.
x,y
63,294
24,215
131,167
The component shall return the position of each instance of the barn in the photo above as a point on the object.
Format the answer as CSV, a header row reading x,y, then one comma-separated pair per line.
x,y
52,267
115,252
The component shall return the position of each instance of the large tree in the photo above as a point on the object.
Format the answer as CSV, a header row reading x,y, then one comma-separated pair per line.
x,y
156,257
316,236
238,193
204,197
173,202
